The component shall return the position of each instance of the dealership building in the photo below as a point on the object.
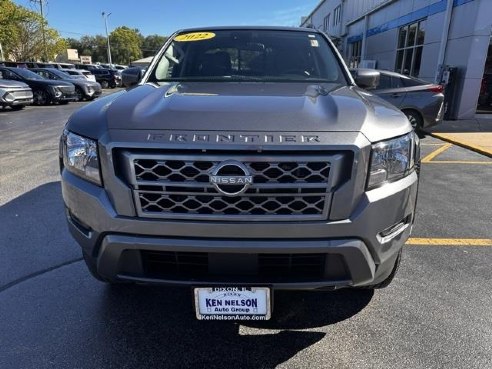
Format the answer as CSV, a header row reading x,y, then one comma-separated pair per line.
x,y
434,40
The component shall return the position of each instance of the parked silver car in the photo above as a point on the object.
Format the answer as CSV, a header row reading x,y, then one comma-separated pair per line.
x,y
81,73
15,94
421,101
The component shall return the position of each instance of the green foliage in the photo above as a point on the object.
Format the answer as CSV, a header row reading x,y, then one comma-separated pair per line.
x,y
151,45
21,34
94,46
125,45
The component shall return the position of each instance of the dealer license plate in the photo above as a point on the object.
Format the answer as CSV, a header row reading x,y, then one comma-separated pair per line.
x,y
232,303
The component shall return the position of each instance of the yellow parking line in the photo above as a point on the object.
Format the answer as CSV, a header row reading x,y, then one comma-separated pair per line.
x,y
457,162
436,152
450,241
463,142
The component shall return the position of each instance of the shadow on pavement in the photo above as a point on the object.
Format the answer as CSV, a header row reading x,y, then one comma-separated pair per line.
x,y
159,324
33,234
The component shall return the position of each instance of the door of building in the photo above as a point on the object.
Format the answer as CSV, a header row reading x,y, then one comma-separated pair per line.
x,y
484,105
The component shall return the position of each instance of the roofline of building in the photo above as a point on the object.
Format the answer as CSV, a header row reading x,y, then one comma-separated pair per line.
x,y
314,10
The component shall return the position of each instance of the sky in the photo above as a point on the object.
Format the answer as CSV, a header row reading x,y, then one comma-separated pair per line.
x,y
75,18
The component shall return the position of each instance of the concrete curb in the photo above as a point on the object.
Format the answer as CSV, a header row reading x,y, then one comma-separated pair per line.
x,y
466,145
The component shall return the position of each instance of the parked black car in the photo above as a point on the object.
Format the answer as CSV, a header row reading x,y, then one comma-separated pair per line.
x,y
34,65
44,90
8,64
87,66
107,77
84,89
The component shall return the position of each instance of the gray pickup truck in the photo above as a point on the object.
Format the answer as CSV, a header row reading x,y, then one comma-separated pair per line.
x,y
245,160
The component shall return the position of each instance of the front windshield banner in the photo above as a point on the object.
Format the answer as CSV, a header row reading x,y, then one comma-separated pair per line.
x,y
195,36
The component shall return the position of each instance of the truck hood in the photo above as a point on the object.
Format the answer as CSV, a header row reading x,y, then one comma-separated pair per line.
x,y
255,107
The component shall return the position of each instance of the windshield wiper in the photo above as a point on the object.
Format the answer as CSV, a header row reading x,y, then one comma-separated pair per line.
x,y
239,77
233,78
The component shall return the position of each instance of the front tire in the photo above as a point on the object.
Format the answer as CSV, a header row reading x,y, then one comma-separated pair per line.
x,y
79,93
40,97
104,84
415,119
17,107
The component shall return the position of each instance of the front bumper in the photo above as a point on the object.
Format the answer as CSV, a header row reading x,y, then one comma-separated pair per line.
x,y
21,97
65,97
17,102
91,94
354,252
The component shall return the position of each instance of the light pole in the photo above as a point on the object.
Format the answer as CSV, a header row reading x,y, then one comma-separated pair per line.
x,y
105,16
43,33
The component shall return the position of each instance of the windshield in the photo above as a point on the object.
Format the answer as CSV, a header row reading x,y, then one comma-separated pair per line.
x,y
28,74
249,55
61,74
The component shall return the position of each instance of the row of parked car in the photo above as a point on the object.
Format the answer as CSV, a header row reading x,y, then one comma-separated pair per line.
x,y
25,83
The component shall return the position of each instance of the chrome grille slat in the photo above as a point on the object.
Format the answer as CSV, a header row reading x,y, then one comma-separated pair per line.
x,y
25,94
281,172
209,185
285,188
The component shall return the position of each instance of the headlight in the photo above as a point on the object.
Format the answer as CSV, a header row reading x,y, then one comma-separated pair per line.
x,y
8,97
80,156
56,91
391,160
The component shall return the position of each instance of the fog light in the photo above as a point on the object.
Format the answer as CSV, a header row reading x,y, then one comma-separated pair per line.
x,y
393,231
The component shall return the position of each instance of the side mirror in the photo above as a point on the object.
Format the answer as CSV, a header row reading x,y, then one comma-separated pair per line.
x,y
366,78
131,76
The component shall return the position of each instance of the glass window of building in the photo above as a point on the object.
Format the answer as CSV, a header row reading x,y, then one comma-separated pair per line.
x,y
337,15
355,53
326,23
409,48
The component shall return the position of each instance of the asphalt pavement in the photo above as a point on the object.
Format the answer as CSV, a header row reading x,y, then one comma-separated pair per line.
x,y
436,314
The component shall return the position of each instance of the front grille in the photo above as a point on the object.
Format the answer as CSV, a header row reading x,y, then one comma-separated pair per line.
x,y
67,90
22,95
152,202
284,187
250,267
263,172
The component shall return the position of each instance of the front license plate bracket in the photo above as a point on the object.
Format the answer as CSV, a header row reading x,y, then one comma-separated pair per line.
x,y
232,303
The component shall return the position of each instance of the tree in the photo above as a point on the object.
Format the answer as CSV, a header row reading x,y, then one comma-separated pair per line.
x,y
21,34
125,45
151,45
94,46
10,15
